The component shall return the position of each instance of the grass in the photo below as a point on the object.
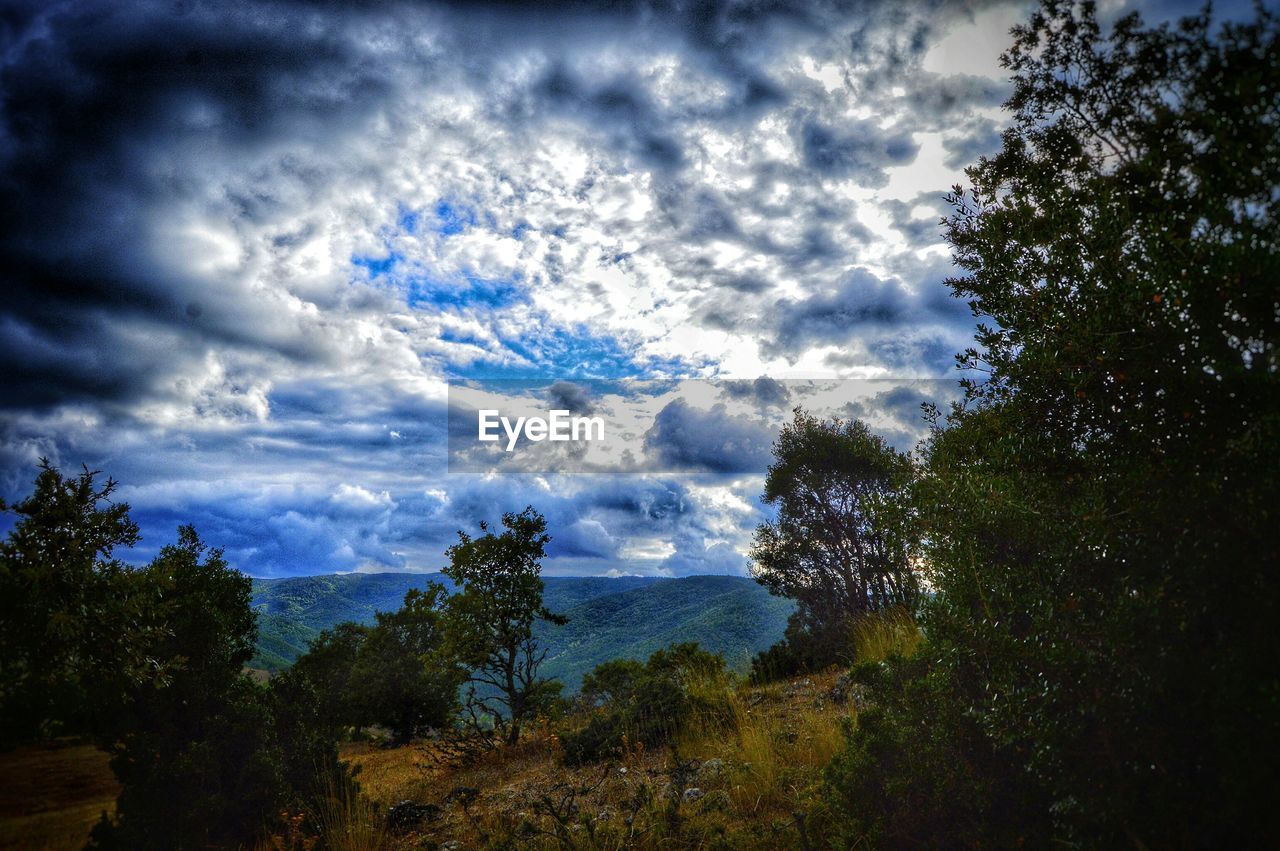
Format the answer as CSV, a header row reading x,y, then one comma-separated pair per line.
x,y
51,795
756,762
878,636
756,759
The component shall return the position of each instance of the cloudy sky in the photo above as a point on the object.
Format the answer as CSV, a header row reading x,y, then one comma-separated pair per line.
x,y
245,245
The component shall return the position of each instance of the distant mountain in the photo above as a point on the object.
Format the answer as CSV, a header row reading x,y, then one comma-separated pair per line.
x,y
729,615
609,618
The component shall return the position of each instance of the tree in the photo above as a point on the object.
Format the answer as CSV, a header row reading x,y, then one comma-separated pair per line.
x,y
194,748
838,545
1098,511
491,617
611,683
70,623
149,662
401,677
327,669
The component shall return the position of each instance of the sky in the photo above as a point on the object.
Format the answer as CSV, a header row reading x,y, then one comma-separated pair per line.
x,y
247,245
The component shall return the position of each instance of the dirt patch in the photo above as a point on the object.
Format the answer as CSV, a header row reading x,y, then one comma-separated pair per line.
x,y
51,795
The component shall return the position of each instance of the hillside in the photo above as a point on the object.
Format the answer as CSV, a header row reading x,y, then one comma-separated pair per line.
x,y
608,617
756,782
729,615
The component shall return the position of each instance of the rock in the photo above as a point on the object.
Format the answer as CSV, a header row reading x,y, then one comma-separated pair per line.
x,y
405,816
693,794
450,845
712,767
803,688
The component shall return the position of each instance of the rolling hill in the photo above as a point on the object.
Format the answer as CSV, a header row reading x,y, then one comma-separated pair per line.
x,y
608,617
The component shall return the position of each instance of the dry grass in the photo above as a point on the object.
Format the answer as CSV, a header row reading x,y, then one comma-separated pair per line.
x,y
757,763
894,632
52,795
755,767
349,821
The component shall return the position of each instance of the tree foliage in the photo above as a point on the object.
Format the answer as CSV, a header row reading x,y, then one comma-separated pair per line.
x,y
1097,512
148,662
647,702
324,675
401,677
491,616
71,622
839,544
193,748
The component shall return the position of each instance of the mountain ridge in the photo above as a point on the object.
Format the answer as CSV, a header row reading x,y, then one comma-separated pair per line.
x,y
609,617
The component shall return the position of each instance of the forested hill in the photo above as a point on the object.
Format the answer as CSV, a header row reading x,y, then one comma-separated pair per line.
x,y
609,618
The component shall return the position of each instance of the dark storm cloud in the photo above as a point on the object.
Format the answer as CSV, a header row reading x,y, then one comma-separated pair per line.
x,y
858,300
763,391
980,138
901,327
169,167
903,402
567,396
860,150
938,100
105,103
686,438
918,231
94,96
621,109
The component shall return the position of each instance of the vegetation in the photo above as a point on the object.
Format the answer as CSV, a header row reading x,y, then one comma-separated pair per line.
x,y
647,704
401,676
609,618
1052,621
1096,512
148,664
749,775
491,617
70,611
840,545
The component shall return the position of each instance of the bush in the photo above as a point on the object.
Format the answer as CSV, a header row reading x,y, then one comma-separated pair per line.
x,y
647,703
806,646
916,772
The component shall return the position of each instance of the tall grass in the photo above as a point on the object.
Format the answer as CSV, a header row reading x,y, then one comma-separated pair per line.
x,y
348,821
880,635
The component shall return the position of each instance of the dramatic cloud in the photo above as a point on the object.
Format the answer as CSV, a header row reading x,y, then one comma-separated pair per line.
x,y
245,244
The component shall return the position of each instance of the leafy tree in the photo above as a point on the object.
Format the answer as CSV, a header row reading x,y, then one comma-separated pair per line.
x,y
324,673
401,677
920,773
1098,512
613,682
149,661
491,618
70,619
193,749
838,545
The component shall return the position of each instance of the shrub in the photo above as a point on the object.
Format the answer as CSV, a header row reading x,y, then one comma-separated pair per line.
x,y
916,772
648,703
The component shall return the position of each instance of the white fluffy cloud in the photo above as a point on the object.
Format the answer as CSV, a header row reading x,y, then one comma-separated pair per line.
x,y
248,241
